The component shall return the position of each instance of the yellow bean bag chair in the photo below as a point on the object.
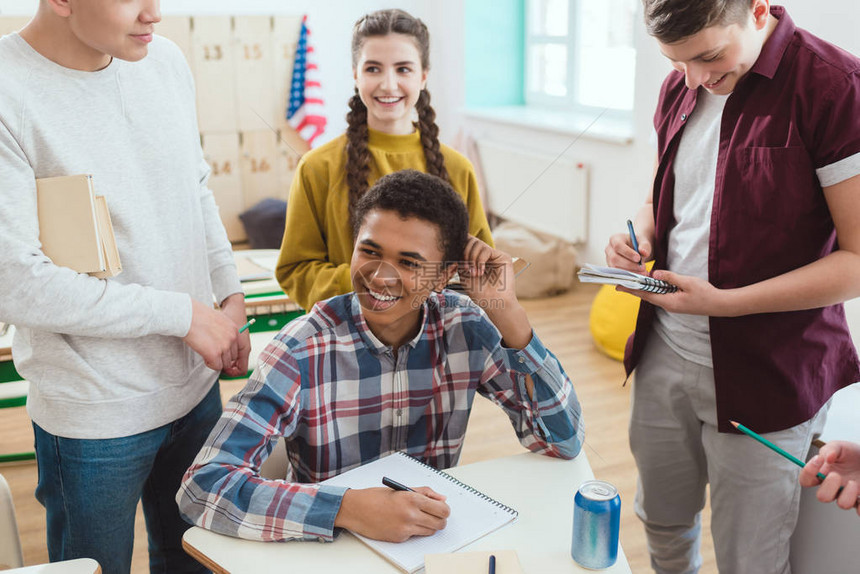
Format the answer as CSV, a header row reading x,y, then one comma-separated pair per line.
x,y
613,319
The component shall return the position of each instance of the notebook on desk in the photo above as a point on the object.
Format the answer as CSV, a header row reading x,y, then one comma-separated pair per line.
x,y
473,514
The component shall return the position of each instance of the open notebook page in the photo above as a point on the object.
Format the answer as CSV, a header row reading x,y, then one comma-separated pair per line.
x,y
473,514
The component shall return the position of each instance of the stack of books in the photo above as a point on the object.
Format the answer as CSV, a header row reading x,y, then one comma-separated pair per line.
x,y
75,228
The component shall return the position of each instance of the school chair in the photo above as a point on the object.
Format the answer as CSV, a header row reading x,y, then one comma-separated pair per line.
x,y
77,566
11,556
10,544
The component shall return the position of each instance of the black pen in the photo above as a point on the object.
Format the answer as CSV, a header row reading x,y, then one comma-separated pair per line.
x,y
395,485
492,564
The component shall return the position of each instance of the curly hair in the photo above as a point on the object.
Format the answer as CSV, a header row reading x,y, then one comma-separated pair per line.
x,y
671,21
382,23
411,193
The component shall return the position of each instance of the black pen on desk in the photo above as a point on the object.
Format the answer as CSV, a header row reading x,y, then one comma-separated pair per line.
x,y
246,325
633,240
395,485
492,564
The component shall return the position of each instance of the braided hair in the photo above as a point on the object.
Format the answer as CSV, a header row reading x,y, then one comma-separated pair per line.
x,y
382,23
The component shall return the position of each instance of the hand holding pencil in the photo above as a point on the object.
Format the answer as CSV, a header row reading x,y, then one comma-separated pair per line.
x,y
840,462
836,468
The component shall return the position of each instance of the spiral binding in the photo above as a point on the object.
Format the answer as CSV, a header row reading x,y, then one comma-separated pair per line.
x,y
465,486
652,285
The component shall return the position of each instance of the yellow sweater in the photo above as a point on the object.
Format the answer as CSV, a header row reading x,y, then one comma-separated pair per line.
x,y
317,246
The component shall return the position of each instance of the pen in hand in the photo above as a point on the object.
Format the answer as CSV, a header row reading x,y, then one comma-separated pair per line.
x,y
393,484
633,240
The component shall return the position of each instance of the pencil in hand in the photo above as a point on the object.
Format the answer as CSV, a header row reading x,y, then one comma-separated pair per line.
x,y
247,325
772,446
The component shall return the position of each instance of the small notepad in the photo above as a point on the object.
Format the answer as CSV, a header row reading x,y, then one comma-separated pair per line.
x,y
473,514
613,276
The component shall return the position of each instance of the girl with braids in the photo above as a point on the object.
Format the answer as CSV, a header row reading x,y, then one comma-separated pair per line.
x,y
390,61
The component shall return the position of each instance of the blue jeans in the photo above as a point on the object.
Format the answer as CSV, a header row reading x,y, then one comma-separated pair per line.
x,y
90,490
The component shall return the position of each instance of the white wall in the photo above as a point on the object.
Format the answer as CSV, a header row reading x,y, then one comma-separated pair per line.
x,y
835,20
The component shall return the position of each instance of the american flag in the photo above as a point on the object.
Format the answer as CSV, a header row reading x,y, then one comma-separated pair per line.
x,y
305,110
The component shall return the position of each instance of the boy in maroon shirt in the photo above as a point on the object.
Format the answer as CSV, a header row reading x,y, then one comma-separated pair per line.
x,y
755,216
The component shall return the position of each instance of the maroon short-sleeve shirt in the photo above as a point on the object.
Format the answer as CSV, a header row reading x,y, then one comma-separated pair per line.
x,y
796,110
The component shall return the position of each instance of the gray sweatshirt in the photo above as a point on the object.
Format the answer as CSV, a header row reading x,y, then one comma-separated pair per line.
x,y
105,358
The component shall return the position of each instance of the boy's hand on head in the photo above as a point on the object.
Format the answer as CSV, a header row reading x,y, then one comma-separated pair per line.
x,y
392,515
213,335
621,255
487,274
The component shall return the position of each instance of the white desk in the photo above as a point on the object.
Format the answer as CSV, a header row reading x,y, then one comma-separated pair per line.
x,y
539,487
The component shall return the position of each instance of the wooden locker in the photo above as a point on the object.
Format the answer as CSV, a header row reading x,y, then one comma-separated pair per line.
x,y
178,30
9,24
254,87
221,150
214,70
291,148
259,160
285,39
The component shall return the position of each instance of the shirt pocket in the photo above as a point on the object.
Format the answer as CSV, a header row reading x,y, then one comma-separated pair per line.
x,y
780,182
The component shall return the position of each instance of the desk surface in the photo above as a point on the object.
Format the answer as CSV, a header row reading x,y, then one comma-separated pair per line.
x,y
539,487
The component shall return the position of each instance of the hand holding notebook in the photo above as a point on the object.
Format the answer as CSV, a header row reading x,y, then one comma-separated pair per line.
x,y
614,276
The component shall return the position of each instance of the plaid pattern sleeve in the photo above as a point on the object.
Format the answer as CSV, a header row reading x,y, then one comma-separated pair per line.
x,y
341,398
223,491
550,422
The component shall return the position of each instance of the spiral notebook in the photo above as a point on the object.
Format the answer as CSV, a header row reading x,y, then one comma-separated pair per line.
x,y
612,276
473,514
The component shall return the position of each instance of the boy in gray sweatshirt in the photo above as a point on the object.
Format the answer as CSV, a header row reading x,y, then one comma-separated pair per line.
x,y
123,371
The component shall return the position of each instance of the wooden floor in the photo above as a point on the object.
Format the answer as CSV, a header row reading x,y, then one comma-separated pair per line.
x,y
562,323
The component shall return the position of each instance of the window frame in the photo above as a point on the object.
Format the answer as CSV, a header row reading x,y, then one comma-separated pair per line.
x,y
567,103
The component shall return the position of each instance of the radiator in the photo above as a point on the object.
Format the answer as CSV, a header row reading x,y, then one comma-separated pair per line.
x,y
543,192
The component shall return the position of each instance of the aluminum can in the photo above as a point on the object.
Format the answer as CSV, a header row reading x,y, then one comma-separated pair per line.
x,y
596,524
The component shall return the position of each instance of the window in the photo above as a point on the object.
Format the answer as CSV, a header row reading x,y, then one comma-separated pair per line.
x,y
580,54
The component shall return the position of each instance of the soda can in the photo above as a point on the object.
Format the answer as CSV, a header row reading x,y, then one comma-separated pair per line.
x,y
596,524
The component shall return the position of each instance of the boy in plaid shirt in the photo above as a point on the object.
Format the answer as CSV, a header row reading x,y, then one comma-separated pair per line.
x,y
393,366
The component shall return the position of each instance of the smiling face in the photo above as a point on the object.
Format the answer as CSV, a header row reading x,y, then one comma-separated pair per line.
x,y
395,266
389,78
717,57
